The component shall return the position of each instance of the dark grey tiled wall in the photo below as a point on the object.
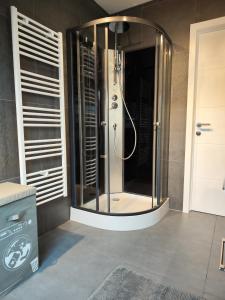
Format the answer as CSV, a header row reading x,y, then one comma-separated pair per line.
x,y
59,15
175,16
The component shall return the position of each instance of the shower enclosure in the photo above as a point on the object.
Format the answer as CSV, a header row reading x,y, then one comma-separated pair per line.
x,y
119,78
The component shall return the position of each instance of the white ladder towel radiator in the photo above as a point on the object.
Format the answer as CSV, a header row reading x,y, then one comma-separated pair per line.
x,y
39,44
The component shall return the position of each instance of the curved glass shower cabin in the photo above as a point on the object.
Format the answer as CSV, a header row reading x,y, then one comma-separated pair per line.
x,y
119,115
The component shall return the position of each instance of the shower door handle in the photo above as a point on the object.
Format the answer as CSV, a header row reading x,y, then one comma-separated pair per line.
x,y
223,186
199,125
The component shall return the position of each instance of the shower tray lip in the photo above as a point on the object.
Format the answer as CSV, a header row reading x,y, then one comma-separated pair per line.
x,y
120,222
122,214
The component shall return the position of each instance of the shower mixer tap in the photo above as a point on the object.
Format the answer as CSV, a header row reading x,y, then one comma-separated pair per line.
x,y
114,97
114,105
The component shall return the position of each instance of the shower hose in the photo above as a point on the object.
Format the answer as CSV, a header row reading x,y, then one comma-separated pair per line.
x,y
128,113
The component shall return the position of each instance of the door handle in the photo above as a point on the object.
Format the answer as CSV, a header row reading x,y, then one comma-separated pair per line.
x,y
199,125
223,186
15,217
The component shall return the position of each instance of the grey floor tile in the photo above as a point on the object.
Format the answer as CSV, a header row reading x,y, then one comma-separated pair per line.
x,y
185,227
211,297
215,281
71,272
219,229
9,297
181,270
76,258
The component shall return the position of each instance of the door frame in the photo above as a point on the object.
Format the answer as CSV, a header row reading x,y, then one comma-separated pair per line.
x,y
195,31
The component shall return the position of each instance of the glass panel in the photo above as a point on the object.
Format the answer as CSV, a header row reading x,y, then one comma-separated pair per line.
x,y
162,120
131,99
94,119
104,166
165,121
88,123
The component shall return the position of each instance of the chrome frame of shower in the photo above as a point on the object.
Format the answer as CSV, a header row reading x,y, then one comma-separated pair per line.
x,y
157,174
106,89
155,125
126,19
157,97
80,116
97,117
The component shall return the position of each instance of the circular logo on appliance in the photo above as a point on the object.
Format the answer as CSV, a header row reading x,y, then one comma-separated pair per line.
x,y
17,253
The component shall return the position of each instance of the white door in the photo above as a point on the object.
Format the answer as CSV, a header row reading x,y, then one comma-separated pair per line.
x,y
208,173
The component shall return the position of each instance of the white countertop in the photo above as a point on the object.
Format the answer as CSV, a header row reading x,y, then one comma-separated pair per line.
x,y
10,192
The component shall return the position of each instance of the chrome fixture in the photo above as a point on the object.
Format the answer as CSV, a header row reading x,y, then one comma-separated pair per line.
x,y
202,124
114,105
222,256
114,97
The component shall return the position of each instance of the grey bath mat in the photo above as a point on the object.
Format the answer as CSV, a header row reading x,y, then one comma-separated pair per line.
x,y
125,284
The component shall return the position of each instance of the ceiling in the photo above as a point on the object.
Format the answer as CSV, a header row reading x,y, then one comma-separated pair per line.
x,y
113,6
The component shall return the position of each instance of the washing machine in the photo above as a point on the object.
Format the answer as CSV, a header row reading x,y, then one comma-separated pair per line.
x,y
18,235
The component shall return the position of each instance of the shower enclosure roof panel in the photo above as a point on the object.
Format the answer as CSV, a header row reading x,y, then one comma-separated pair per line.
x,y
112,7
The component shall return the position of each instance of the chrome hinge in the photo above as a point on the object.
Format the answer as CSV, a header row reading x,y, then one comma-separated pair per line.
x,y
156,124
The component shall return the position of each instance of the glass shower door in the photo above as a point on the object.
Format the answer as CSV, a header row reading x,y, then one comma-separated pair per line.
x,y
88,118
162,124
